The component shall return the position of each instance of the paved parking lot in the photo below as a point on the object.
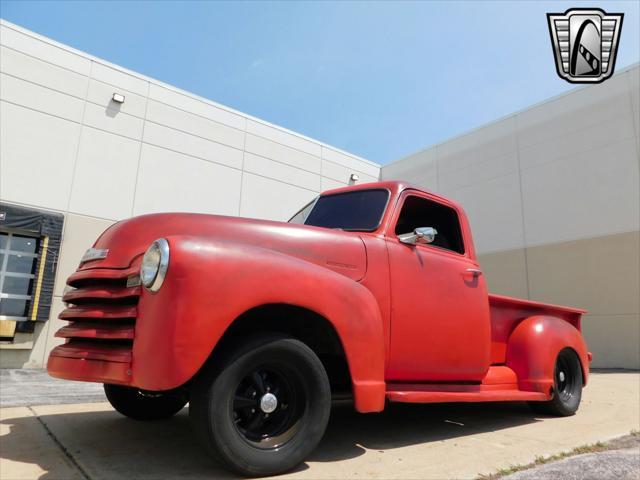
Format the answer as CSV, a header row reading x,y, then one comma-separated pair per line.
x,y
89,440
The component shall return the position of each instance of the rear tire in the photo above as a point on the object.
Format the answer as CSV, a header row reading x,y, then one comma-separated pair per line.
x,y
261,409
140,405
567,387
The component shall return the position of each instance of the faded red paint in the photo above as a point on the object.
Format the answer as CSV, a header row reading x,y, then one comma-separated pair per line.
x,y
415,325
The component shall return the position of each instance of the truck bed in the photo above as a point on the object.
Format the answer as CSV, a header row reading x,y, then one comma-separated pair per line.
x,y
507,312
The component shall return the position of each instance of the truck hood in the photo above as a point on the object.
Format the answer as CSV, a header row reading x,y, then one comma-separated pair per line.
x,y
343,252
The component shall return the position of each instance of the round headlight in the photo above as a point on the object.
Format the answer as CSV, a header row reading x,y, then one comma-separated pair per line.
x,y
154,265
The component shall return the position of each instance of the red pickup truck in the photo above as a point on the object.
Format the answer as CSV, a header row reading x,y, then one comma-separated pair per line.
x,y
374,290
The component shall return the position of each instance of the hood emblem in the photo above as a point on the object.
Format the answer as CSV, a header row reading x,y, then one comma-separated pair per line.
x,y
94,254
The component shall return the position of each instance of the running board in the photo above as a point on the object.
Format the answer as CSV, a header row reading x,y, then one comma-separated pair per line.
x,y
416,396
500,384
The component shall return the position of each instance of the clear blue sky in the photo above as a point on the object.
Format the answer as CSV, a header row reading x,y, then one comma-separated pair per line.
x,y
377,79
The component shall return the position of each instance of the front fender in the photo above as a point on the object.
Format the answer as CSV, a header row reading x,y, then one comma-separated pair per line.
x,y
210,283
533,346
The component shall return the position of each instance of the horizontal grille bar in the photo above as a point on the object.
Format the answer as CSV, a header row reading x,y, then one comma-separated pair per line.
x,y
96,330
98,275
94,351
93,312
100,293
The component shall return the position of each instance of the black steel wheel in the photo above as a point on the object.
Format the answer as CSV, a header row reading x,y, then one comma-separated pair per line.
x,y
268,405
567,387
140,405
263,408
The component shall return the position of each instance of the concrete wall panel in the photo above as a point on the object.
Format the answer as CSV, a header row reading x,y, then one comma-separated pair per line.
x,y
45,50
283,137
109,118
172,182
506,272
421,168
575,111
280,171
197,125
119,79
582,196
614,340
201,148
350,161
342,173
45,74
41,99
105,175
599,274
282,153
488,169
329,184
37,155
611,130
496,140
271,200
196,106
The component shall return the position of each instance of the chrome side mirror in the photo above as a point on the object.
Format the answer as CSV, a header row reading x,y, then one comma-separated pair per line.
x,y
421,235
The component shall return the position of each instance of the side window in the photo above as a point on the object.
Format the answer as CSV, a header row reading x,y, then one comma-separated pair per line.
x,y
420,212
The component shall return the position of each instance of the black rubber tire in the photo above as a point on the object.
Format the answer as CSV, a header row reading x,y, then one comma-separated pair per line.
x,y
138,405
214,413
567,388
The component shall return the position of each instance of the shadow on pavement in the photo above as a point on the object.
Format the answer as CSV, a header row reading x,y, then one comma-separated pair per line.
x,y
107,445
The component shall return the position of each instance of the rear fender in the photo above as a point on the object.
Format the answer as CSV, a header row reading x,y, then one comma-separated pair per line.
x,y
211,283
533,346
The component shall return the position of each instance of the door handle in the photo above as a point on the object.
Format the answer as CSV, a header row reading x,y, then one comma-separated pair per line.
x,y
476,272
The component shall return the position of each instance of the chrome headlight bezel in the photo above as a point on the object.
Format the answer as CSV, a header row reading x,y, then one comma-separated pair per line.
x,y
154,265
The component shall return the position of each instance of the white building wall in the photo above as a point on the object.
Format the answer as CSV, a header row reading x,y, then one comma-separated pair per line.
x,y
65,146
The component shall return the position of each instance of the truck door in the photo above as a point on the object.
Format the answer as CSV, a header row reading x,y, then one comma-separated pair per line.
x,y
440,326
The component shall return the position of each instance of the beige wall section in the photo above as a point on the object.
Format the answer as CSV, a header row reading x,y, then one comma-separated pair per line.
x,y
614,340
66,146
601,275
553,197
506,272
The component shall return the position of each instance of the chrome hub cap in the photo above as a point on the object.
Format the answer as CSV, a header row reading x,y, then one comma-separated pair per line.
x,y
268,403
561,376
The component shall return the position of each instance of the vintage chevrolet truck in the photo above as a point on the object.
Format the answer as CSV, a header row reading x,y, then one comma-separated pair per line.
x,y
373,289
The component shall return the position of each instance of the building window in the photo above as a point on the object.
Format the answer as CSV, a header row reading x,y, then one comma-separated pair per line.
x,y
18,260
29,246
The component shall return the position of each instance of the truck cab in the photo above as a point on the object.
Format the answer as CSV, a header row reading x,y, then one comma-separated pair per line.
x,y
372,290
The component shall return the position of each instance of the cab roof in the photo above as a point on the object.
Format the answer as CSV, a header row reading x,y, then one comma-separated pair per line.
x,y
394,186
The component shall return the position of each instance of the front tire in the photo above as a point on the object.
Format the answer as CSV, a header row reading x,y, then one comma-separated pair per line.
x,y
140,405
567,387
265,408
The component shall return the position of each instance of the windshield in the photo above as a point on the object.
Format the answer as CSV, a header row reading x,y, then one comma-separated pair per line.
x,y
357,210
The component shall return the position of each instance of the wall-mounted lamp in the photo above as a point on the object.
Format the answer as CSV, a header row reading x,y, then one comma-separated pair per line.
x,y
118,98
353,179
